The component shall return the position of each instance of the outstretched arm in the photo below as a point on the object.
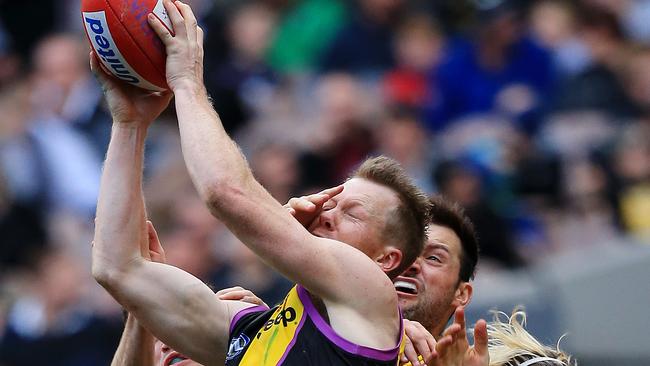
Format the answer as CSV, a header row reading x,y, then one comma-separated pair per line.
x,y
175,306
137,343
335,272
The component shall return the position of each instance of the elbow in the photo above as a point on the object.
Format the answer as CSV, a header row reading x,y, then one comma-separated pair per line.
x,y
105,274
114,281
222,197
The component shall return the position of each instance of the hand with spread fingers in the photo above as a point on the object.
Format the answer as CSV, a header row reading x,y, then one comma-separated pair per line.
x,y
458,352
184,46
129,104
420,347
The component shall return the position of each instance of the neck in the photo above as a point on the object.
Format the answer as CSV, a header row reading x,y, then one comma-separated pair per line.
x,y
436,329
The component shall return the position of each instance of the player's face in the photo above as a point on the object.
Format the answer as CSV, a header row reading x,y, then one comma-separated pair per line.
x,y
356,215
165,356
428,291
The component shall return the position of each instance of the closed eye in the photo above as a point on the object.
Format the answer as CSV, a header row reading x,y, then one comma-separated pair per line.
x,y
352,216
357,213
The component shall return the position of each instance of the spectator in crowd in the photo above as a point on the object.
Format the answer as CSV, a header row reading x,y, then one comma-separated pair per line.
x,y
632,167
276,167
240,80
9,64
402,137
304,30
636,78
22,218
554,24
23,232
363,45
61,163
500,62
632,14
341,137
23,33
19,163
598,86
418,47
459,183
52,322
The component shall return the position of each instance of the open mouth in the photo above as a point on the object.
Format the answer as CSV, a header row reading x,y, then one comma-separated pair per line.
x,y
406,287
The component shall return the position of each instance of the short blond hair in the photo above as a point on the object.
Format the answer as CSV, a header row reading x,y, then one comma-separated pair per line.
x,y
510,344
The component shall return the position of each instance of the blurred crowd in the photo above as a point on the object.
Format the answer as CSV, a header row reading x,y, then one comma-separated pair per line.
x,y
534,115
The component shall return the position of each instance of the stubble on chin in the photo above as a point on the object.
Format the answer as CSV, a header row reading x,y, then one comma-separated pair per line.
x,y
428,312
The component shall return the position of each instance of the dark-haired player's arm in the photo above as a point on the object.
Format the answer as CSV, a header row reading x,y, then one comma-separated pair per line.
x,y
136,345
352,285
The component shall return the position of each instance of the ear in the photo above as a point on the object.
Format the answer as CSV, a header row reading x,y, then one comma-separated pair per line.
x,y
156,251
389,259
463,294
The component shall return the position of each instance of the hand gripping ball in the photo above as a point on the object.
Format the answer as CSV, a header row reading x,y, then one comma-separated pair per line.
x,y
125,43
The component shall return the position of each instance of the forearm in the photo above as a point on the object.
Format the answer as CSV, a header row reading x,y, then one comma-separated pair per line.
x,y
120,231
223,179
213,159
136,345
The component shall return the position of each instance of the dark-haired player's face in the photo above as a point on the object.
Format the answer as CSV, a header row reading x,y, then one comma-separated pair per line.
x,y
429,290
165,356
357,215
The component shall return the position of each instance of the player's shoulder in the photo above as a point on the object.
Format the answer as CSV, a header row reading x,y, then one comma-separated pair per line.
x,y
356,281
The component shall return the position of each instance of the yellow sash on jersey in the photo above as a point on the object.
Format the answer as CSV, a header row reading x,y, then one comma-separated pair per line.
x,y
275,338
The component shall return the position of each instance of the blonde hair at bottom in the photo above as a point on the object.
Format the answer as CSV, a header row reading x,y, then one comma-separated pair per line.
x,y
510,344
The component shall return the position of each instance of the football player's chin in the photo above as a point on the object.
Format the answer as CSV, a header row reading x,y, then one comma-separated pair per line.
x,y
406,300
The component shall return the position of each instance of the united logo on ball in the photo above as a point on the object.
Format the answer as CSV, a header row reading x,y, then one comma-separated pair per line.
x,y
126,45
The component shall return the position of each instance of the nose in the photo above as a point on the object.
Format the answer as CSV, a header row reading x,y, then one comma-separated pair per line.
x,y
164,348
326,219
414,268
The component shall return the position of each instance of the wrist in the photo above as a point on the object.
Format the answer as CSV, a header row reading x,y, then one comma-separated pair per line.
x,y
129,130
125,124
187,86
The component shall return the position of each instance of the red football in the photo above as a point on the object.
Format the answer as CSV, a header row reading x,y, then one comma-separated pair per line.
x,y
125,43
